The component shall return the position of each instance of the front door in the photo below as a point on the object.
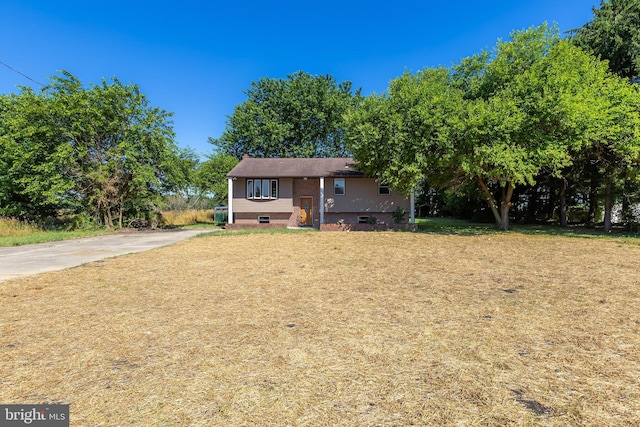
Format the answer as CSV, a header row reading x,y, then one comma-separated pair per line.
x,y
306,211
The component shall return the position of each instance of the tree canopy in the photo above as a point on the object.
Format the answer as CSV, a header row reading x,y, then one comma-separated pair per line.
x,y
498,119
102,151
614,35
211,176
300,116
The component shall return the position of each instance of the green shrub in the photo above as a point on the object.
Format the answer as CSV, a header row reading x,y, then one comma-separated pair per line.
x,y
398,215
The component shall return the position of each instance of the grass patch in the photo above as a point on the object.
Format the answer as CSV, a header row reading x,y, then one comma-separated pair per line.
x,y
17,233
463,227
271,231
453,226
189,217
250,231
13,227
334,329
195,226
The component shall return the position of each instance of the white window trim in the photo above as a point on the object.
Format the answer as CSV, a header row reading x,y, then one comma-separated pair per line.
x,y
381,186
249,186
267,183
344,186
257,188
264,219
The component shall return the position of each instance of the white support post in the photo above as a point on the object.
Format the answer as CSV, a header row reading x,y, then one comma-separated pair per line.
x,y
321,200
230,203
412,204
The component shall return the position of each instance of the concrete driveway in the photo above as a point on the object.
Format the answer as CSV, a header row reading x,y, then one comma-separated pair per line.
x,y
27,260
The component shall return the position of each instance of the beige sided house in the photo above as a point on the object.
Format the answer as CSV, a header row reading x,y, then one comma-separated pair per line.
x,y
318,192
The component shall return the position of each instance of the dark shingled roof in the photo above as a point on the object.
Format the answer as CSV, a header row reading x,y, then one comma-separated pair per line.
x,y
294,168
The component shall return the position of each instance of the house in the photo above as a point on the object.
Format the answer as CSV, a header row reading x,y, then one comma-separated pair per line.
x,y
314,192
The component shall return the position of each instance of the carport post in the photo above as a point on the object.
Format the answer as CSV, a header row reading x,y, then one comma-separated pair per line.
x,y
412,203
321,200
230,203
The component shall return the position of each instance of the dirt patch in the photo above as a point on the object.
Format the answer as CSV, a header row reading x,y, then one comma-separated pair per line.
x,y
333,329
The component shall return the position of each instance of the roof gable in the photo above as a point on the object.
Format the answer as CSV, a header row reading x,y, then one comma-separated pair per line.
x,y
294,168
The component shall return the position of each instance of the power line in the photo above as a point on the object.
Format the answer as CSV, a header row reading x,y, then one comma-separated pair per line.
x,y
22,74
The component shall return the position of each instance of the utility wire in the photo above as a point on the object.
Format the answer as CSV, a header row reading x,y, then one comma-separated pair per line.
x,y
22,74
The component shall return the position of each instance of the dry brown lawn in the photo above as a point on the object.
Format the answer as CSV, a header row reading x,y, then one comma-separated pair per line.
x,y
334,329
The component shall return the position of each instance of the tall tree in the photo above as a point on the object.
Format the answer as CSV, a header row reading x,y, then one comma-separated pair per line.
x,y
474,124
498,120
102,149
300,116
614,35
613,148
603,114
122,148
210,176
409,134
32,182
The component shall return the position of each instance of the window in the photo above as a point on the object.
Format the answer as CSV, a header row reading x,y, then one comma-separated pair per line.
x,y
263,220
339,187
249,189
383,189
262,189
257,188
363,219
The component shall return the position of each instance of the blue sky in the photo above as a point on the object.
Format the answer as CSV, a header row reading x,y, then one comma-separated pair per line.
x,y
195,58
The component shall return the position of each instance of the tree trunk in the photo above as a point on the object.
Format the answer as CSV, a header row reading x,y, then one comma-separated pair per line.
x,y
608,202
503,224
108,219
532,206
627,212
120,214
505,205
500,213
563,203
593,202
